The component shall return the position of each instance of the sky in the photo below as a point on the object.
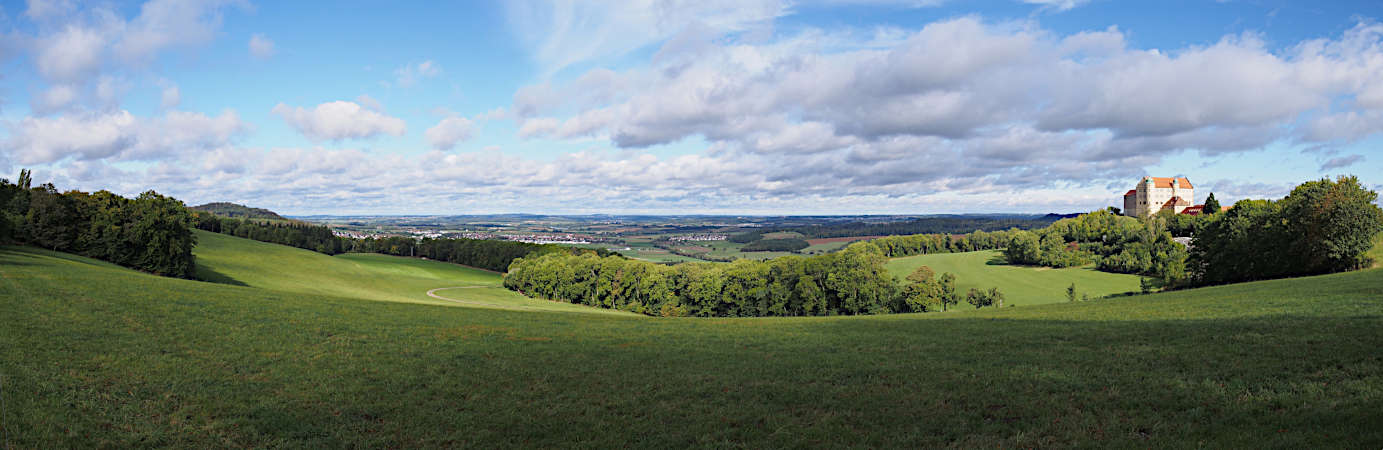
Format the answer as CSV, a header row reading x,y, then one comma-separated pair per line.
x,y
689,107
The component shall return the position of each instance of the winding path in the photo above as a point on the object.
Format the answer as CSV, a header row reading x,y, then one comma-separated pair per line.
x,y
433,293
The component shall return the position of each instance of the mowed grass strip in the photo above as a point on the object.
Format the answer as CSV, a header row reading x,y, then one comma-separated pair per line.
x,y
231,260
98,356
1021,285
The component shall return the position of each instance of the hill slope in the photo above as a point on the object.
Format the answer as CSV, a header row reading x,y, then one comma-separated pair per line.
x,y
232,260
94,355
1021,285
238,211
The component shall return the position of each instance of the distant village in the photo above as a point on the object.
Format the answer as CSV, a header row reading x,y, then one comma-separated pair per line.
x,y
700,237
532,238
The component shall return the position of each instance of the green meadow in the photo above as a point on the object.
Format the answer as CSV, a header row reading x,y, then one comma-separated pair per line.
x,y
1021,285
342,352
368,276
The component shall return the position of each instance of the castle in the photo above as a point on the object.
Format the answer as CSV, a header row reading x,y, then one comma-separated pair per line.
x,y
1155,194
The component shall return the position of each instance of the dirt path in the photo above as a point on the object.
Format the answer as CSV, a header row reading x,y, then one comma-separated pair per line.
x,y
433,293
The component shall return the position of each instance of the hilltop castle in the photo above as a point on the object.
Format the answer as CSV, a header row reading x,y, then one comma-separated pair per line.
x,y
1155,194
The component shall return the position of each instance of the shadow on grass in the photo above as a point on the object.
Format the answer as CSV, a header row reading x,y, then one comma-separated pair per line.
x,y
997,260
16,251
211,276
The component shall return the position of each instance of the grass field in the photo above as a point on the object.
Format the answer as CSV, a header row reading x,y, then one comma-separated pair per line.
x,y
232,260
93,355
642,250
731,249
1021,285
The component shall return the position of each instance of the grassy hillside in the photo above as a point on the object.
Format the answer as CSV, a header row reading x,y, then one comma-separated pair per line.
x,y
93,355
1021,285
232,260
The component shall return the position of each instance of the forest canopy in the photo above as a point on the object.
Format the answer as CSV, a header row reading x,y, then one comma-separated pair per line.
x,y
151,232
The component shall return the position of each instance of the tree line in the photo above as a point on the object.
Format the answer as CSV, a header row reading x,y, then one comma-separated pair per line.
x,y
852,281
302,235
485,254
1114,243
1322,226
151,232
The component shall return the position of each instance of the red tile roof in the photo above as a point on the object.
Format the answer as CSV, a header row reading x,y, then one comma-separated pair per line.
x,y
1166,183
1130,192
1174,202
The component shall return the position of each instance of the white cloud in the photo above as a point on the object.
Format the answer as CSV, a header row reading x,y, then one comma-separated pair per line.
x,y
53,99
163,24
71,54
448,132
118,135
92,48
91,136
261,47
563,32
339,120
411,74
971,104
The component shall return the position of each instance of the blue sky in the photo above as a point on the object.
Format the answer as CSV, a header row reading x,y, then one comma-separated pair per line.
x,y
742,107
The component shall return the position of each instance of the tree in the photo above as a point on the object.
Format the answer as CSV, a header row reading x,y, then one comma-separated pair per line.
x,y
920,291
975,297
1115,210
1146,284
996,298
947,293
1071,292
1333,224
1212,206
1322,226
50,218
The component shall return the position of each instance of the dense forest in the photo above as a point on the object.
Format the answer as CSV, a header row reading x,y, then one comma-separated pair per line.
x,y
238,211
151,233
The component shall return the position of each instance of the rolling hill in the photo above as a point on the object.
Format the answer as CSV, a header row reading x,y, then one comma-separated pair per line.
x,y
238,211
231,260
96,355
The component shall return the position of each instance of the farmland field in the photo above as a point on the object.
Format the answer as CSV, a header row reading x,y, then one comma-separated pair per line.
x,y
94,355
1021,285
